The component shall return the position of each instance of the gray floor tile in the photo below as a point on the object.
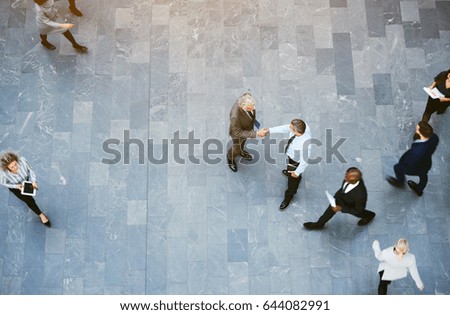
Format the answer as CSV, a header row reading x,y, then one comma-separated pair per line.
x,y
129,218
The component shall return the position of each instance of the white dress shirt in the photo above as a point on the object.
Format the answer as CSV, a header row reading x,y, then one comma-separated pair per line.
x,y
395,268
348,187
296,148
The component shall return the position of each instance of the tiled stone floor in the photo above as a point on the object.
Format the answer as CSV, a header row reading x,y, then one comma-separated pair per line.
x,y
156,67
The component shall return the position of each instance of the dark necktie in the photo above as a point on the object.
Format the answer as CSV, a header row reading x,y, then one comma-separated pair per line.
x,y
345,187
252,116
289,143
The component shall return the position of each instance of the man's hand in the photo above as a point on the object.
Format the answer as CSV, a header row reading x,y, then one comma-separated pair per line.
x,y
293,174
336,209
262,132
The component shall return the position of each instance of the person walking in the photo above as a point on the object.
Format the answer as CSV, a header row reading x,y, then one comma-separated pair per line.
x,y
395,262
351,198
417,160
15,171
439,105
47,21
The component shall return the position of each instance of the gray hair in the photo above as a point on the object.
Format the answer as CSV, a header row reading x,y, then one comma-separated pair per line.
x,y
246,99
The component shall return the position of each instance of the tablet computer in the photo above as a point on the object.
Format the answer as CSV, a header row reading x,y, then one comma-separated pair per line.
x,y
28,189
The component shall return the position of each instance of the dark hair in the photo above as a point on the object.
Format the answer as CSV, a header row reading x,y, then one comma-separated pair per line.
x,y
40,2
354,170
7,158
425,129
299,125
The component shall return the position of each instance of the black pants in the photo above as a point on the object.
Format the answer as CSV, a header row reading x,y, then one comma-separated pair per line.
x,y
29,200
329,213
383,286
293,183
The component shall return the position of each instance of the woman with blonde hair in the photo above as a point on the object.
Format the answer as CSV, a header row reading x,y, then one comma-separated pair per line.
x,y
14,171
395,262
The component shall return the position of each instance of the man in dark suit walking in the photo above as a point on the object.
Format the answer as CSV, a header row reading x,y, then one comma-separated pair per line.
x,y
350,198
242,119
417,160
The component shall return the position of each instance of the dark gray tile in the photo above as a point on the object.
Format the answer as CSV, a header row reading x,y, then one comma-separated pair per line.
x,y
382,89
429,23
442,12
375,18
345,79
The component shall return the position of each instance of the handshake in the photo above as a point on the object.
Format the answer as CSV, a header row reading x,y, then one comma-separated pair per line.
x,y
262,132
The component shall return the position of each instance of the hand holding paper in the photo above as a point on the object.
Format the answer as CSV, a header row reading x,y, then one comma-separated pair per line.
x,y
331,199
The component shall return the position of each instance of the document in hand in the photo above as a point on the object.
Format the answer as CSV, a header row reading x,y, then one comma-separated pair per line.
x,y
434,93
331,199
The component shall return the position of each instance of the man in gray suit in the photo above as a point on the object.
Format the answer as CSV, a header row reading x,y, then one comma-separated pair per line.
x,y
242,119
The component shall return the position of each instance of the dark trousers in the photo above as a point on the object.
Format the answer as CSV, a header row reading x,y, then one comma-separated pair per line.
x,y
400,173
236,148
383,286
29,200
293,183
329,213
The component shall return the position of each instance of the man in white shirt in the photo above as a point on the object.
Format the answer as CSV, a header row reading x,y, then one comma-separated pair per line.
x,y
298,151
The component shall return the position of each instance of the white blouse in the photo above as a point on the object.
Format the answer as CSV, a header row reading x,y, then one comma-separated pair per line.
x,y
395,268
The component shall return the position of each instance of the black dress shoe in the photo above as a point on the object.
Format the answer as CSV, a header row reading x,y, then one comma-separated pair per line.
x,y
365,221
413,186
394,182
284,204
312,226
48,224
75,11
232,165
246,156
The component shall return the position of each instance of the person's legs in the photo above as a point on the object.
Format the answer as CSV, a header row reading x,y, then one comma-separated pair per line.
x,y
423,180
383,286
67,34
426,116
73,8
45,42
235,149
29,200
293,184
366,216
326,216
399,173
